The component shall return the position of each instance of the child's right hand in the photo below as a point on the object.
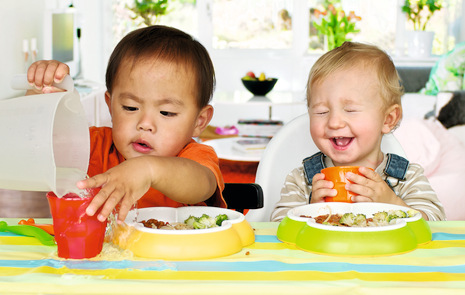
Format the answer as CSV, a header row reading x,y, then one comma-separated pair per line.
x,y
321,188
43,73
118,188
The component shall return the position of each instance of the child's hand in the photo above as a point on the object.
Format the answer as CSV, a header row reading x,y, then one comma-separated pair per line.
x,y
126,182
371,188
41,75
321,188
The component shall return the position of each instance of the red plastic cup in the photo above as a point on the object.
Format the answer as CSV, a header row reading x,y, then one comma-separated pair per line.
x,y
338,176
77,235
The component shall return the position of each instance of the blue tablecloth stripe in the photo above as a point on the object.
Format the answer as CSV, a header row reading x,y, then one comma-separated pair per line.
x,y
266,239
239,266
439,236
447,237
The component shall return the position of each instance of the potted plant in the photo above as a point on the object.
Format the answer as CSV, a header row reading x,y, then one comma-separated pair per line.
x,y
149,11
419,13
335,25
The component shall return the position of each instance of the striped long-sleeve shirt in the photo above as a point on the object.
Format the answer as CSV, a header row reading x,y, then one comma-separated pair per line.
x,y
415,191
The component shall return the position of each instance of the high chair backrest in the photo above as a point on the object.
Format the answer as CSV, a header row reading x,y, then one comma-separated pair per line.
x,y
243,196
286,150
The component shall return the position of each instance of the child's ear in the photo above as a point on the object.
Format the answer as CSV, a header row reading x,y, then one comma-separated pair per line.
x,y
392,117
108,101
204,117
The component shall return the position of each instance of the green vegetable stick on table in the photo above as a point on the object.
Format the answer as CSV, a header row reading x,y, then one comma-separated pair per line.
x,y
30,231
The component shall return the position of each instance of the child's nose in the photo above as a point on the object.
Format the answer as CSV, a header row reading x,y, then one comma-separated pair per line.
x,y
146,123
336,121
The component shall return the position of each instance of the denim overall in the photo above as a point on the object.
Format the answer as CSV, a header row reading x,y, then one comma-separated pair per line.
x,y
396,167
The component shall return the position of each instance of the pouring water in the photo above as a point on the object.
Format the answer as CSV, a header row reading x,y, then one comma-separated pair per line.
x,y
48,144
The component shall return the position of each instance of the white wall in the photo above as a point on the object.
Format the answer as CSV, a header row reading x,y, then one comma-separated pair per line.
x,y
94,18
23,19
95,23
291,72
19,19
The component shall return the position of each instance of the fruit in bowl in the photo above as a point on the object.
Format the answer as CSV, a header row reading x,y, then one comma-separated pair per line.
x,y
258,86
249,76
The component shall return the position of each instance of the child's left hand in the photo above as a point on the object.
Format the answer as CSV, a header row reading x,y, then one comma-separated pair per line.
x,y
371,188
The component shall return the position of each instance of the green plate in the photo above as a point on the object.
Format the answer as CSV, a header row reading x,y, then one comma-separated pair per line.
x,y
308,235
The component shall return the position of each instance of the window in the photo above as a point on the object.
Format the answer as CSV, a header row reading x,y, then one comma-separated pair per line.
x,y
377,24
181,14
278,24
254,24
276,36
384,24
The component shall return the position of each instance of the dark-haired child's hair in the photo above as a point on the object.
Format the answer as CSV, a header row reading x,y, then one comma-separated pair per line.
x,y
167,44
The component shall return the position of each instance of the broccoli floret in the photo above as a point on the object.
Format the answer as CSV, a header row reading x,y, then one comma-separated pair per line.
x,y
360,220
220,218
198,225
207,221
190,220
380,217
347,219
411,213
393,214
400,213
391,217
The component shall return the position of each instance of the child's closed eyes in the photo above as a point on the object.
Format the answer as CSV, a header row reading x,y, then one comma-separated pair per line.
x,y
168,114
163,113
130,109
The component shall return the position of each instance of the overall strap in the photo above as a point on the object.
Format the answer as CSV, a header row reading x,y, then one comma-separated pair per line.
x,y
313,165
396,167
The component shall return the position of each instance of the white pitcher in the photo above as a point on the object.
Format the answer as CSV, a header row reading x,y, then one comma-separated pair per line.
x,y
45,144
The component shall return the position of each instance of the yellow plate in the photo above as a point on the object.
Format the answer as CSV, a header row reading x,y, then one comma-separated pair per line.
x,y
229,238
308,235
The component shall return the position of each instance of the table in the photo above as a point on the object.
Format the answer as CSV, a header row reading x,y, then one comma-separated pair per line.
x,y
266,267
225,150
235,166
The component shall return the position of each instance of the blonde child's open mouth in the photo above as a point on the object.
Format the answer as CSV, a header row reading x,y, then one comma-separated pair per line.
x,y
341,142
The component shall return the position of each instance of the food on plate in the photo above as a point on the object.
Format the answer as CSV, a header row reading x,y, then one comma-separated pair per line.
x,y
192,222
350,219
360,220
158,224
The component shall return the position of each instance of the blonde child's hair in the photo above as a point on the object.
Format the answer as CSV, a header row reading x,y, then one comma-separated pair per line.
x,y
351,54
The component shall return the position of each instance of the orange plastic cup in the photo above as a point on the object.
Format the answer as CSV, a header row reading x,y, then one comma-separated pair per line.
x,y
77,235
338,176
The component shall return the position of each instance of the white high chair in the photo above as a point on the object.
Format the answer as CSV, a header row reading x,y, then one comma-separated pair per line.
x,y
284,152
